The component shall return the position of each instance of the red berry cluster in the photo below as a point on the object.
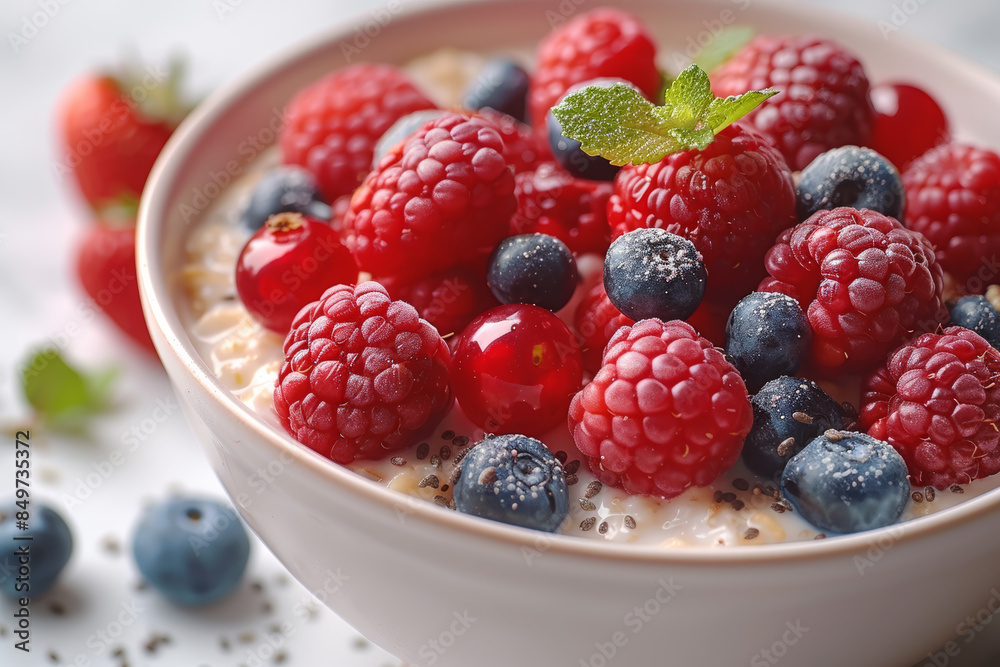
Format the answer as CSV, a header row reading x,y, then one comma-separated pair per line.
x,y
665,409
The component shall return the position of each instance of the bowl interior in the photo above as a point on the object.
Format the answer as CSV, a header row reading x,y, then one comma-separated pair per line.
x,y
229,131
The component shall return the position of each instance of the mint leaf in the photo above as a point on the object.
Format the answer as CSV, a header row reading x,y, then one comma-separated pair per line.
x,y
618,123
62,396
724,46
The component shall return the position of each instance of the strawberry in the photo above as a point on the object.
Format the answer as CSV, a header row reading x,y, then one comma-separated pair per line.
x,y
110,131
105,267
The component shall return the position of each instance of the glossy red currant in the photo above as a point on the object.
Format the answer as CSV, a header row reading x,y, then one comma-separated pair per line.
x,y
515,369
908,122
287,264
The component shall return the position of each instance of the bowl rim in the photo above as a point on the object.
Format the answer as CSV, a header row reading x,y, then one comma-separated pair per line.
x,y
156,294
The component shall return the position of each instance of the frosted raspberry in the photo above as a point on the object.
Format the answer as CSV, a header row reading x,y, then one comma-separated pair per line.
x,y
332,125
953,198
864,281
603,42
823,101
731,200
937,401
665,412
443,196
363,375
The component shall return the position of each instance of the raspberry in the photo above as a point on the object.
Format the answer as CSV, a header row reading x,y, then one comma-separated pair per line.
x,y
519,147
448,299
953,198
595,322
574,210
823,102
865,282
332,125
937,402
731,200
665,412
363,375
604,42
441,197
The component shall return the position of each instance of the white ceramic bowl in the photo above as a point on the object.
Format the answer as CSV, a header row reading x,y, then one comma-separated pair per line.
x,y
435,587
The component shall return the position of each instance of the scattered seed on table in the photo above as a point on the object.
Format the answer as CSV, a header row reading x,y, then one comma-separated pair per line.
x,y
423,449
587,523
448,435
603,528
430,480
593,489
587,506
572,467
629,522
929,494
397,461
741,484
751,533
917,497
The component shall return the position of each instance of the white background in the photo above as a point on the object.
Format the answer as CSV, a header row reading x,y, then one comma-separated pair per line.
x,y
40,218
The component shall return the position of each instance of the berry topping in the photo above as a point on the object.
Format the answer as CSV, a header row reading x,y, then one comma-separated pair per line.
x,y
850,176
48,539
284,189
731,199
847,482
363,375
193,551
864,281
515,369
332,125
448,299
788,412
824,100
650,272
975,312
532,268
665,412
953,198
501,85
603,42
514,479
287,264
443,196
520,148
596,321
574,210
908,122
937,401
767,336
402,129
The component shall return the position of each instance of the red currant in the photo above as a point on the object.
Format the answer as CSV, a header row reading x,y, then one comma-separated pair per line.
x,y
287,264
515,369
908,122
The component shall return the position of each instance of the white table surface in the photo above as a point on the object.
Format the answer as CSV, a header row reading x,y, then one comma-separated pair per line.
x,y
96,615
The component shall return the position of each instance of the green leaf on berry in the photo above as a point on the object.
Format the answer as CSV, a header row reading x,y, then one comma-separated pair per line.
x,y
724,46
618,123
62,396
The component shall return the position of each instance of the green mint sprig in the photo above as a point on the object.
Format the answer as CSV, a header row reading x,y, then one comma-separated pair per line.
x,y
63,397
621,125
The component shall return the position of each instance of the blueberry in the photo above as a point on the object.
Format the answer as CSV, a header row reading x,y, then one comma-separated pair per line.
x,y
767,335
288,188
977,313
788,412
847,483
501,85
650,272
192,550
49,543
401,129
850,176
536,269
514,479
568,153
